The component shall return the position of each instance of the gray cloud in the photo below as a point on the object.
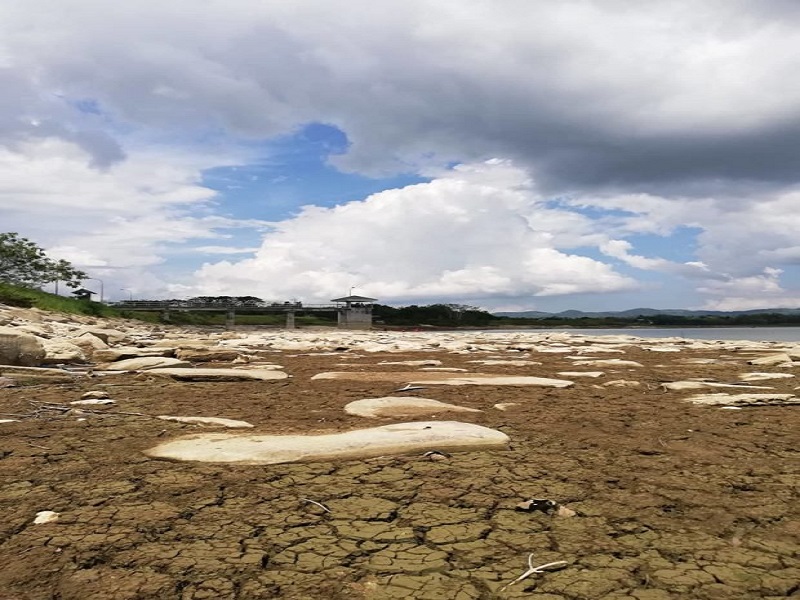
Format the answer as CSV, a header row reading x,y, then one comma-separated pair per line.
x,y
653,95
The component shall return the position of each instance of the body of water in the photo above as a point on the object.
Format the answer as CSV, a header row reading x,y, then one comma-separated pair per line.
x,y
758,334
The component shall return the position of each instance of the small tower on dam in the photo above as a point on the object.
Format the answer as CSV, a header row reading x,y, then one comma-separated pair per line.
x,y
354,312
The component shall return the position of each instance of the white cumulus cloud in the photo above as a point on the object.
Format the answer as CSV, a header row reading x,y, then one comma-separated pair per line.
x,y
479,231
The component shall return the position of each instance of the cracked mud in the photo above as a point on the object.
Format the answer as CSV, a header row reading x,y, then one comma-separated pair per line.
x,y
673,501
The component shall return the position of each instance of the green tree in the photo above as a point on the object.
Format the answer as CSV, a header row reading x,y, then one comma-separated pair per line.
x,y
24,263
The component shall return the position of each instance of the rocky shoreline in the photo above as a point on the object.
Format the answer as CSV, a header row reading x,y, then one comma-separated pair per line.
x,y
675,462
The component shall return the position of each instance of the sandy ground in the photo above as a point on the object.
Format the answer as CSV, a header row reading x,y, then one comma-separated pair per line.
x,y
672,500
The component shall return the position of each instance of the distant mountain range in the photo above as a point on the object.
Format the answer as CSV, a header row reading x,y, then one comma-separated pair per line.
x,y
644,312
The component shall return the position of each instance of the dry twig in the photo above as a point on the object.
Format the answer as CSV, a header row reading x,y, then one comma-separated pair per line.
x,y
322,506
531,570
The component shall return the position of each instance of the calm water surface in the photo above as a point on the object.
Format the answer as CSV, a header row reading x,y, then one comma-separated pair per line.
x,y
758,334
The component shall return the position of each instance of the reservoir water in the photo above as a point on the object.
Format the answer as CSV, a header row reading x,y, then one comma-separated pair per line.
x,y
758,334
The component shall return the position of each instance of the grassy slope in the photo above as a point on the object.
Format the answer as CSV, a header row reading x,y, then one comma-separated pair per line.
x,y
28,297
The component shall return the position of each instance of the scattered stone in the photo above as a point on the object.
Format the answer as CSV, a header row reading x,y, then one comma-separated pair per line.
x,y
510,363
622,383
126,352
565,512
7,382
773,359
390,406
206,354
764,376
95,395
413,363
231,423
401,438
580,373
697,385
744,399
505,405
546,506
62,351
445,369
144,363
445,379
537,504
409,388
45,516
437,456
9,420
93,402
20,349
608,362
218,374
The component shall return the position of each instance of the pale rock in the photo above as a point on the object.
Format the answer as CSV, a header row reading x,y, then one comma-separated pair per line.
x,y
662,348
89,343
62,351
40,332
403,406
773,359
417,378
743,399
230,423
580,373
22,349
510,363
9,420
697,385
206,354
218,374
45,516
144,363
95,395
565,512
401,438
126,352
7,382
445,369
622,383
764,376
504,406
413,363
93,402
109,336
608,362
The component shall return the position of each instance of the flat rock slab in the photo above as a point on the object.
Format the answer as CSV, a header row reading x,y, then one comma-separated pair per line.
x,y
744,399
608,362
509,363
413,363
218,421
698,385
581,373
401,438
399,406
219,374
764,376
145,363
444,378
773,359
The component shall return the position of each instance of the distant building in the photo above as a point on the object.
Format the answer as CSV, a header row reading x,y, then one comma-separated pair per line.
x,y
354,312
83,294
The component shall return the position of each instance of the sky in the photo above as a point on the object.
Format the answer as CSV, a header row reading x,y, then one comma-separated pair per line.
x,y
507,154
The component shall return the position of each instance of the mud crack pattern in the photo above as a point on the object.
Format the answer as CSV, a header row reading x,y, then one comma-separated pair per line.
x,y
673,501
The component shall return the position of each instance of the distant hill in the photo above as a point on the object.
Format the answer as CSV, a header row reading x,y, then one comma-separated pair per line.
x,y
644,312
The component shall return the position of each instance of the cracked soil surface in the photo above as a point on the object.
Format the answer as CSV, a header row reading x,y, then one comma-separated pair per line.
x,y
673,501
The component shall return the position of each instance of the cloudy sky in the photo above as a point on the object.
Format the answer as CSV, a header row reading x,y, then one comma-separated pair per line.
x,y
590,154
